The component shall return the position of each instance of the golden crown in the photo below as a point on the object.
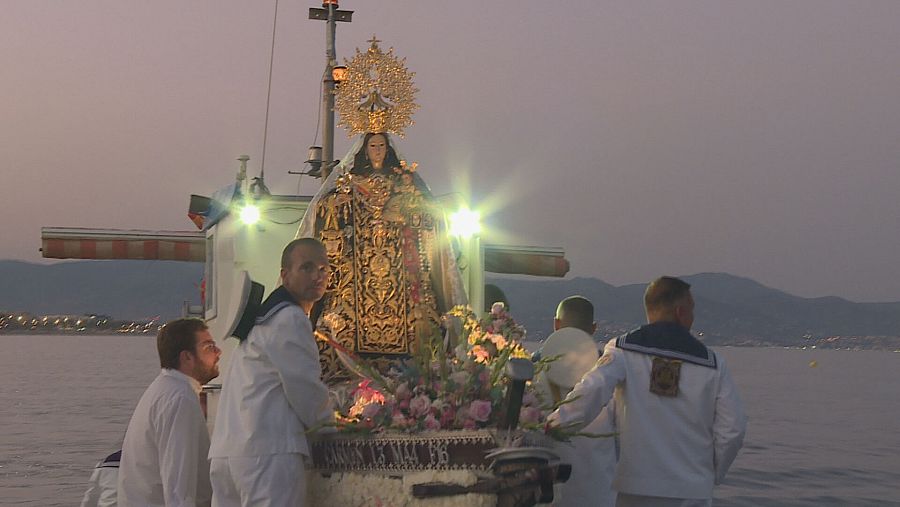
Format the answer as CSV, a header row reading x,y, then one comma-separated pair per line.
x,y
377,94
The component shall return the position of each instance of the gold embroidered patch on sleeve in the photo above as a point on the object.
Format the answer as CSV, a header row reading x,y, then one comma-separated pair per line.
x,y
664,376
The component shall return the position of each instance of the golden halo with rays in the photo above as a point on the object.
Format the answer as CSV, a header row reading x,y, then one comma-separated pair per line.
x,y
378,94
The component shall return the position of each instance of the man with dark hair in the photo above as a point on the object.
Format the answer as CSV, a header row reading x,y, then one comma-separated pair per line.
x,y
272,393
163,461
680,420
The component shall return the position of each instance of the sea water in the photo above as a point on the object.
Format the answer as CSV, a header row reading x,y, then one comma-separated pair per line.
x,y
824,424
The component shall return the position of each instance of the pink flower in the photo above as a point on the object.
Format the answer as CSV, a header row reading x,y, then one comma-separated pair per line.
x,y
498,340
480,410
497,308
419,405
480,353
431,423
469,424
462,413
366,393
530,415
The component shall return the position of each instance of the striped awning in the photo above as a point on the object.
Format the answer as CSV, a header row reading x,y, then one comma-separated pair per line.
x,y
84,243
525,260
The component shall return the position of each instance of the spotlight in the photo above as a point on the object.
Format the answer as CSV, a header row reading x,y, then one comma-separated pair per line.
x,y
465,223
250,214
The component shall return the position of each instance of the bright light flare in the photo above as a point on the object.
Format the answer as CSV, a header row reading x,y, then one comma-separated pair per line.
x,y
465,223
250,214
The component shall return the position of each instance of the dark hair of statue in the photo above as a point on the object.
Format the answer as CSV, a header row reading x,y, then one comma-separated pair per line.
x,y
494,294
361,164
176,337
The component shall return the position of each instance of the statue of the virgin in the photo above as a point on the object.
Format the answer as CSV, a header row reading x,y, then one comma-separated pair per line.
x,y
394,271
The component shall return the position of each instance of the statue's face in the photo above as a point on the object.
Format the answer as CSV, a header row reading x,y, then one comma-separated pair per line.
x,y
376,150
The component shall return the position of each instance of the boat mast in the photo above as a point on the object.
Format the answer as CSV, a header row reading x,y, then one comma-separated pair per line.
x,y
331,15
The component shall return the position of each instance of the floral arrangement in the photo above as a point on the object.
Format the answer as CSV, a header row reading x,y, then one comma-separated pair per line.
x,y
443,388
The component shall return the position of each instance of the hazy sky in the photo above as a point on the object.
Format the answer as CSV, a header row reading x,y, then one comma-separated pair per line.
x,y
759,138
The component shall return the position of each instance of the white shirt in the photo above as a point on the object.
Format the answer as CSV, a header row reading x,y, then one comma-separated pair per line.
x,y
593,463
102,488
669,446
272,391
164,453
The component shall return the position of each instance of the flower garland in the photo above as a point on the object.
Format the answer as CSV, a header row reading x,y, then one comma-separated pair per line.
x,y
440,389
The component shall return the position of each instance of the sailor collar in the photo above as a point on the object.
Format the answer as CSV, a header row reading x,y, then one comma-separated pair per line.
x,y
278,300
668,340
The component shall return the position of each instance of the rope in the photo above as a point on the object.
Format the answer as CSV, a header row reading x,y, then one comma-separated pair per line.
x,y
262,165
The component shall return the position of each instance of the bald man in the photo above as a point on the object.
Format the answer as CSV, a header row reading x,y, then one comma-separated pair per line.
x,y
272,393
593,460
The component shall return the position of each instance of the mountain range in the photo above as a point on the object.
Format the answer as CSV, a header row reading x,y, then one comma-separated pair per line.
x,y
729,309
120,288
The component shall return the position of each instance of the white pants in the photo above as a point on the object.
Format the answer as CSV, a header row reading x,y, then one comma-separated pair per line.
x,y
626,500
277,480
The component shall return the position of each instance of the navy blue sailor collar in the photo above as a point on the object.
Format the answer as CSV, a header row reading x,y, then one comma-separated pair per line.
x,y
279,299
669,340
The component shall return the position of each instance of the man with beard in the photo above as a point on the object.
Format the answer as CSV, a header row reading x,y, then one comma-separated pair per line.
x,y
164,454
272,393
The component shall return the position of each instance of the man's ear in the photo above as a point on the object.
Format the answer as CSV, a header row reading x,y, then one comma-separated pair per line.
x,y
184,357
557,324
681,316
593,329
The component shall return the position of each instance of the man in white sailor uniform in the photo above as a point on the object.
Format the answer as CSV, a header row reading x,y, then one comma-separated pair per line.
x,y
679,417
593,460
104,481
272,392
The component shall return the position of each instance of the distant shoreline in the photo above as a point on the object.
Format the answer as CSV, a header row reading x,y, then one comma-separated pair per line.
x,y
879,343
85,332
88,324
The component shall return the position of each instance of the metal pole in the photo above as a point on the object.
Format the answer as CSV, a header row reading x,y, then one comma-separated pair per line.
x,y
328,95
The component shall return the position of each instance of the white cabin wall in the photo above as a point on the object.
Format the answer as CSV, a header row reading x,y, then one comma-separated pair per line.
x,y
256,249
